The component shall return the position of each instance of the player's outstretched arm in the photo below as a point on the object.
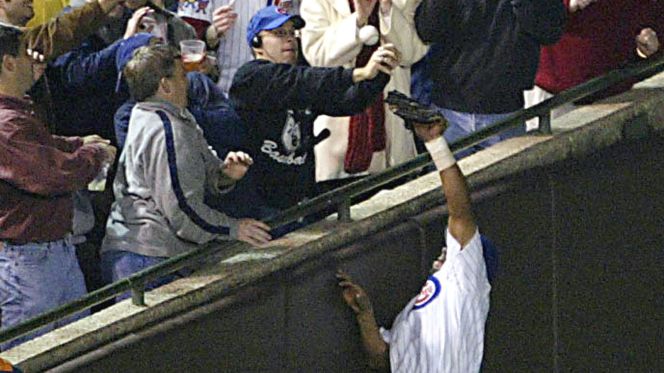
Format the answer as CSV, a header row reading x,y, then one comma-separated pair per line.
x,y
461,223
358,300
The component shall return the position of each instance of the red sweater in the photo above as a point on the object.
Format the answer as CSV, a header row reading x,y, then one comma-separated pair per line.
x,y
597,39
38,173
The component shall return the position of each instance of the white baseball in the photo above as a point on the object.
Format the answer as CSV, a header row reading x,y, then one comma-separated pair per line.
x,y
369,35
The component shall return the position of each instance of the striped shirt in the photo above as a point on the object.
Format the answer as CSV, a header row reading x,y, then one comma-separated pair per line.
x,y
442,329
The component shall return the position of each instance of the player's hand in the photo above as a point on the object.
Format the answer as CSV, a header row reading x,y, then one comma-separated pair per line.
x,y
363,9
428,132
576,5
223,19
647,42
354,296
236,165
253,232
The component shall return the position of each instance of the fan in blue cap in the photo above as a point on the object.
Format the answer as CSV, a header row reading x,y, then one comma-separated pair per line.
x,y
269,18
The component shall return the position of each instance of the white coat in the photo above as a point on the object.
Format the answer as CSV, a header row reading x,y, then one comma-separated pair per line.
x,y
330,38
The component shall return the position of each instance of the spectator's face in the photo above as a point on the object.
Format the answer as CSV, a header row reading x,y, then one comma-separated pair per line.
x,y
18,12
24,73
279,45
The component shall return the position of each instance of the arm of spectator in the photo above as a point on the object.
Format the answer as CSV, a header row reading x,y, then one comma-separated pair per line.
x,y
223,19
176,173
327,43
347,91
43,168
80,71
399,31
433,18
543,20
67,31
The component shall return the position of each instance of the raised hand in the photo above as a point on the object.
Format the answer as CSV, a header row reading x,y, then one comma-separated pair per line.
x,y
647,42
223,19
236,165
384,59
354,296
133,25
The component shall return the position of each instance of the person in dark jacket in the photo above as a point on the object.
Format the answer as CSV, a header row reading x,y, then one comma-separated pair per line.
x,y
278,101
487,56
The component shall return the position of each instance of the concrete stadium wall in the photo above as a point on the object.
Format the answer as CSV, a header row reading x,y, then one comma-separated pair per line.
x,y
581,286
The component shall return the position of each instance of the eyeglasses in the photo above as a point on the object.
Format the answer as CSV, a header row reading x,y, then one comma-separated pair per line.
x,y
284,33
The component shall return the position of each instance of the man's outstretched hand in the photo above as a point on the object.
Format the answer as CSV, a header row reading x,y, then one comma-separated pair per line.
x,y
354,296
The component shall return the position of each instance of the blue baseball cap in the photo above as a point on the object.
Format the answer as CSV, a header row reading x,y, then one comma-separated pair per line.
x,y
270,18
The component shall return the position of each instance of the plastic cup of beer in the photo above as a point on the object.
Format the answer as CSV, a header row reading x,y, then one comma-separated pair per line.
x,y
193,54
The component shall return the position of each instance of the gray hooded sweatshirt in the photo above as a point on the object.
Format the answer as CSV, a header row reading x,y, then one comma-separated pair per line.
x,y
165,170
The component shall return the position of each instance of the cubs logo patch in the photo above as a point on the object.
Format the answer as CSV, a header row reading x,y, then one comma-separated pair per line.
x,y
429,292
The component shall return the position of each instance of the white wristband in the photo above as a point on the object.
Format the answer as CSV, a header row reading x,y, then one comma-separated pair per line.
x,y
440,153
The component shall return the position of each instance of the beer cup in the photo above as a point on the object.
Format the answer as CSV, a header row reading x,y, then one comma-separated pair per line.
x,y
193,54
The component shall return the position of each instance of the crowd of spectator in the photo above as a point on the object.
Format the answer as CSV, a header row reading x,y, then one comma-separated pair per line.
x,y
289,97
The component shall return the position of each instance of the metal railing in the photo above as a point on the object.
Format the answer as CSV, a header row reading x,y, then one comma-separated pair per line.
x,y
339,198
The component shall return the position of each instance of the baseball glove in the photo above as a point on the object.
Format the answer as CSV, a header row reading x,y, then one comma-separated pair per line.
x,y
412,111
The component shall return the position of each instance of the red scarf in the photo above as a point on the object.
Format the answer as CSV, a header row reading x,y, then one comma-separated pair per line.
x,y
366,132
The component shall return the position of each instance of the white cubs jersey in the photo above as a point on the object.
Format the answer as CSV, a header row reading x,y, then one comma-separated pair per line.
x,y
442,329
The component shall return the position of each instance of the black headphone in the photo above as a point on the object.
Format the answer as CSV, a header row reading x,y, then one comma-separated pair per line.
x,y
256,41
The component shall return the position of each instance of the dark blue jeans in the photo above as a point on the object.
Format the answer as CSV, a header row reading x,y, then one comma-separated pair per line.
x,y
116,265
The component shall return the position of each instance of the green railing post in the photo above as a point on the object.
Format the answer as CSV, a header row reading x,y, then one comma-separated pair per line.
x,y
545,123
138,296
343,211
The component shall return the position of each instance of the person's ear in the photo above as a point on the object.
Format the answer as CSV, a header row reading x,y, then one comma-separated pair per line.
x,y
8,62
165,85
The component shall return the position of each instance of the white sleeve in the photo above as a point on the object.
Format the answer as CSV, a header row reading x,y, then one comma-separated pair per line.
x,y
399,30
328,39
466,263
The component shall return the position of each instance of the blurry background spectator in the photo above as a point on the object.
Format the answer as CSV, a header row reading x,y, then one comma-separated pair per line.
x,y
488,54
375,139
223,25
600,35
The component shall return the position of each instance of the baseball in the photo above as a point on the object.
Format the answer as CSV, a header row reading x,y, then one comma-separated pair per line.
x,y
369,35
